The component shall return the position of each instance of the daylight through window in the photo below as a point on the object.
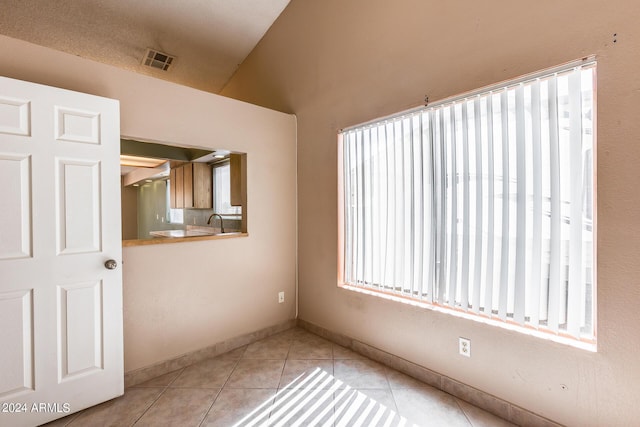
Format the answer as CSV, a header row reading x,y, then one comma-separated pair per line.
x,y
482,204
222,191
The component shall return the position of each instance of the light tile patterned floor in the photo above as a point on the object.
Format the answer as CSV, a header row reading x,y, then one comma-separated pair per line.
x,y
293,378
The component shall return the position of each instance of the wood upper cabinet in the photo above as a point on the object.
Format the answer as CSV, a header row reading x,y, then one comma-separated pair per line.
x,y
238,175
187,185
201,186
179,188
191,186
172,188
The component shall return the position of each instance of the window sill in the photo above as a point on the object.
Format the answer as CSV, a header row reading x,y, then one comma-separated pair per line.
x,y
550,336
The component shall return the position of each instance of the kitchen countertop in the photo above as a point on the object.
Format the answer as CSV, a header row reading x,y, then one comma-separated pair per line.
x,y
182,233
161,241
191,234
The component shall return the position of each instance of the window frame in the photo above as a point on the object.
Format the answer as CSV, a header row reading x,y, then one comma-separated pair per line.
x,y
587,344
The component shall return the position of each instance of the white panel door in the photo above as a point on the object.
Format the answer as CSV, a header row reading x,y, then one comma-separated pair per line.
x,y
60,308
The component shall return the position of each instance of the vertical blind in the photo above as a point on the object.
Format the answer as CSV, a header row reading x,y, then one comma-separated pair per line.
x,y
483,203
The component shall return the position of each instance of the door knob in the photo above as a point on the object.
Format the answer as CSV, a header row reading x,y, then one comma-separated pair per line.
x,y
111,264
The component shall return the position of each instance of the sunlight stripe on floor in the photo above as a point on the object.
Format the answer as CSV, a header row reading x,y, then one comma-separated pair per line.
x,y
317,398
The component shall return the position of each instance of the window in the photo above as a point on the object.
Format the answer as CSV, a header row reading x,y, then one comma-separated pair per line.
x,y
481,204
222,191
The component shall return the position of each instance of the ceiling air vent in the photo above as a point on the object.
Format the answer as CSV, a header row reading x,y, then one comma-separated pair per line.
x,y
159,60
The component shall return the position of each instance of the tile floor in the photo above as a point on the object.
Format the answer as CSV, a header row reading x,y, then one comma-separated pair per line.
x,y
292,378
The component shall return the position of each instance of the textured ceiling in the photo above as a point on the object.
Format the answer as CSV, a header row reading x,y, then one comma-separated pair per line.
x,y
210,38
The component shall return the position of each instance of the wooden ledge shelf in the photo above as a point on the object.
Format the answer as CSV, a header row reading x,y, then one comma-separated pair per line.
x,y
166,240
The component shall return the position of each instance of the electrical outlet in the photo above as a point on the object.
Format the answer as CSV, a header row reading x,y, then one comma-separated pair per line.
x,y
464,346
280,297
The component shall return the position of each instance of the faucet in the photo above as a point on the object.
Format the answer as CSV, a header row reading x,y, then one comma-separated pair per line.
x,y
221,224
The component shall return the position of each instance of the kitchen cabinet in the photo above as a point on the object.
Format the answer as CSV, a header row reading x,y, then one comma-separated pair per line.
x,y
191,186
238,166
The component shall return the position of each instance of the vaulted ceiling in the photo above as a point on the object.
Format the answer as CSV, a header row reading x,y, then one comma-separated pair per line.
x,y
209,38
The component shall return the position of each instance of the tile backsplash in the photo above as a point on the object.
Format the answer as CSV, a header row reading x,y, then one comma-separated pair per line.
x,y
200,217
153,216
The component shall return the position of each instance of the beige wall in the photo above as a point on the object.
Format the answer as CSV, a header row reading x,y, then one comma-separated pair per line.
x,y
336,63
185,296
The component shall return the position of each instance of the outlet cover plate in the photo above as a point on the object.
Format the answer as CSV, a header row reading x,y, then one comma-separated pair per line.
x,y
280,297
464,346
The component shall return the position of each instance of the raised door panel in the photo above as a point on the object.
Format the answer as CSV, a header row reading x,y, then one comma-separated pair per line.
x,y
16,336
77,199
77,125
80,339
15,116
15,213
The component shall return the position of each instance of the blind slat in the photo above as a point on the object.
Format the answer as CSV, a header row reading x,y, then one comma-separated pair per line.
x,y
387,179
420,257
375,202
576,279
477,274
504,264
360,248
555,278
453,214
347,206
442,197
536,235
394,218
367,242
433,210
401,211
378,244
521,209
491,200
412,210
466,211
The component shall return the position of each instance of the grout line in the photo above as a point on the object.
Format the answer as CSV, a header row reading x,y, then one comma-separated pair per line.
x,y
463,411
395,403
165,388
284,365
278,387
154,401
177,376
206,414
223,385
